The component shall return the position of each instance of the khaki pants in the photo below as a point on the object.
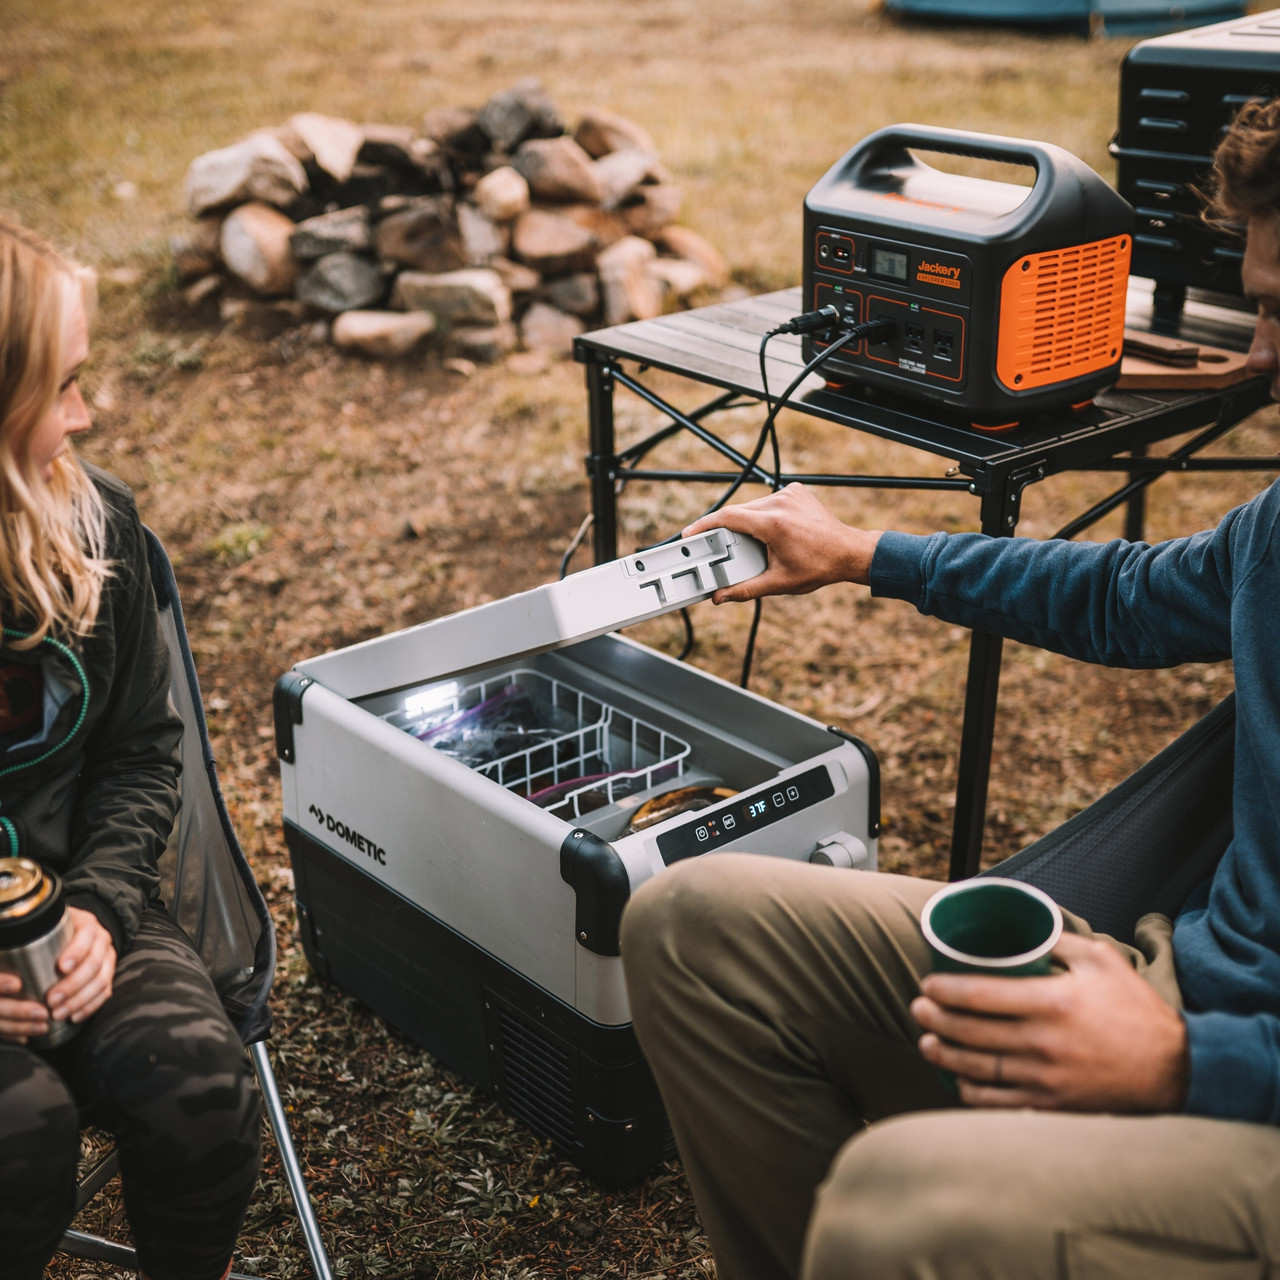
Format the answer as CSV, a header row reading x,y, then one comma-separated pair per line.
x,y
771,1000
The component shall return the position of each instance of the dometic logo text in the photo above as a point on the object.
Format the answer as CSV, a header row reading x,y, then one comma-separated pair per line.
x,y
936,273
353,838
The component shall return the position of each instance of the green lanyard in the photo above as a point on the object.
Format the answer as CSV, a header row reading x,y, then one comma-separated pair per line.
x,y
11,634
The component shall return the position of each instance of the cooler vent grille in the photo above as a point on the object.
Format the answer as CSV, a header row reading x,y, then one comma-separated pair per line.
x,y
537,1079
1062,313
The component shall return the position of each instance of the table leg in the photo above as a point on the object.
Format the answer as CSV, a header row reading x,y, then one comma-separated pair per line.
x,y
1136,509
977,734
602,462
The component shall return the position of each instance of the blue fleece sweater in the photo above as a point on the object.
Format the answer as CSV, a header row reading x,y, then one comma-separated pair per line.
x,y
1210,596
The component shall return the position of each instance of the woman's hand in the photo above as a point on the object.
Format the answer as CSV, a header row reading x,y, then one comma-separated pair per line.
x,y
87,964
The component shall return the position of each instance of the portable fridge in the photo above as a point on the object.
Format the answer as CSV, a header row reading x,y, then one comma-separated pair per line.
x,y
484,924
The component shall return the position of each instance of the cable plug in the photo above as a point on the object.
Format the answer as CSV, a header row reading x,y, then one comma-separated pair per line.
x,y
810,321
872,330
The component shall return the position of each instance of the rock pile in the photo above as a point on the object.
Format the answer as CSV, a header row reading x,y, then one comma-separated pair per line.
x,y
491,229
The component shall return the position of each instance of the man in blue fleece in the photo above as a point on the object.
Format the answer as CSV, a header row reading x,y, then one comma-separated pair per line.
x,y
1122,1117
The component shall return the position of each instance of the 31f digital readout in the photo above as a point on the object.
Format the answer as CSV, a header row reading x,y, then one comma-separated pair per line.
x,y
715,828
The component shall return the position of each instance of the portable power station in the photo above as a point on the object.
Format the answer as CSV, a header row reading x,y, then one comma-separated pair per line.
x,y
1006,300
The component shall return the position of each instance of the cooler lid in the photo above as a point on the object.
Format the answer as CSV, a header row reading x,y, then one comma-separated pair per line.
x,y
579,607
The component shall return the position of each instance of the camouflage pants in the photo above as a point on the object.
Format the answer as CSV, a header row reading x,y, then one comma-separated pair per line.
x,y
161,1067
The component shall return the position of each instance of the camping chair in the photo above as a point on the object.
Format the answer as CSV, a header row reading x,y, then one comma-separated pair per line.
x,y
211,892
1149,841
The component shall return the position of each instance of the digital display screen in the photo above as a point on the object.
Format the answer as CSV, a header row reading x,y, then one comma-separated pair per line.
x,y
885,262
713,828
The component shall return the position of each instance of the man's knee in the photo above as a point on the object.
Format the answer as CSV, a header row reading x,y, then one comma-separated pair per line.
x,y
918,1195
698,920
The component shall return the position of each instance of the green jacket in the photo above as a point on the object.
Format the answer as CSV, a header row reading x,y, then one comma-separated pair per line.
x,y
96,798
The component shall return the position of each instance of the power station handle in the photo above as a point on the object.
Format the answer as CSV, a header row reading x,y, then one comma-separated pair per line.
x,y
1043,157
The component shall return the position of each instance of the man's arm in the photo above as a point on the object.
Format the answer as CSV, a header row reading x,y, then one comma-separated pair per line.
x,y
1118,603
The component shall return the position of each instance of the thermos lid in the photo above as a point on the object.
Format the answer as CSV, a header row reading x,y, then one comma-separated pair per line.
x,y
30,901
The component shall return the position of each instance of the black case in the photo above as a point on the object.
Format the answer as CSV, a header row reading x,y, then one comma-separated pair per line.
x,y
1178,94
584,1086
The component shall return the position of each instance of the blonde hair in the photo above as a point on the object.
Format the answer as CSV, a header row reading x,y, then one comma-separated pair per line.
x,y
52,533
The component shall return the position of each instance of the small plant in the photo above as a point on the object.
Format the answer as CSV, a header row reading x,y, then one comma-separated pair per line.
x,y
239,542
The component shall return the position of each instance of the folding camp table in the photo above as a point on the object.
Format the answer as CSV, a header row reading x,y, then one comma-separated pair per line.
x,y
719,346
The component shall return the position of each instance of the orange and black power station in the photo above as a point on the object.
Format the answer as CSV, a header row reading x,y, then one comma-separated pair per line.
x,y
1006,300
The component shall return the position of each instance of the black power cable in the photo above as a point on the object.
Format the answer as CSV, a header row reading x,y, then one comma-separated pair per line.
x,y
841,335
809,322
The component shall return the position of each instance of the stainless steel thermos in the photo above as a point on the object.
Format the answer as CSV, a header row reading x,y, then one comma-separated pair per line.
x,y
34,928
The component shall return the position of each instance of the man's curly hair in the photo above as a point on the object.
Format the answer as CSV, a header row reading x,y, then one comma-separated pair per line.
x,y
1246,166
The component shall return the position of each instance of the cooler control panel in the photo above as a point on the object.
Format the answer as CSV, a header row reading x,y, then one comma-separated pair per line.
x,y
709,829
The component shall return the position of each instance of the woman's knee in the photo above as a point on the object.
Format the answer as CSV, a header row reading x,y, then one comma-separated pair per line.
x,y
39,1133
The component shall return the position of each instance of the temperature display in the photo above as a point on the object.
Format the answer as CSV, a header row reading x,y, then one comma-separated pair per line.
x,y
714,828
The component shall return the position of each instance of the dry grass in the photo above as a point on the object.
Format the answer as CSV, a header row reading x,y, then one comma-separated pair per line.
x,y
280,475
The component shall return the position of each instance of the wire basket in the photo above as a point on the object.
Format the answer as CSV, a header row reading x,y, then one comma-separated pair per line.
x,y
563,749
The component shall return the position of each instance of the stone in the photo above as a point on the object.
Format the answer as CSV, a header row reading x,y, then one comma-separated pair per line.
x,y
515,275
528,363
330,232
605,225
196,250
679,276
334,142
551,244
557,169
544,328
482,238
395,144
599,132
254,242
502,194
194,294
473,296
367,184
578,294
423,237
485,345
650,210
384,335
293,142
341,281
456,364
259,168
621,172
684,242
523,111
457,130
628,291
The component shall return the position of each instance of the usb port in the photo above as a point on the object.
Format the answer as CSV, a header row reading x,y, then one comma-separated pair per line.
x,y
943,344
915,338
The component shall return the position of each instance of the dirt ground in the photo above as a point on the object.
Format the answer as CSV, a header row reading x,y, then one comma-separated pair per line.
x,y
282,477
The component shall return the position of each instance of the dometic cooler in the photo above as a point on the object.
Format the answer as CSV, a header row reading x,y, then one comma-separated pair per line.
x,y
469,804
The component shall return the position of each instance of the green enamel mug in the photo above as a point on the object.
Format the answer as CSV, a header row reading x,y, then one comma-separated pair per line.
x,y
991,925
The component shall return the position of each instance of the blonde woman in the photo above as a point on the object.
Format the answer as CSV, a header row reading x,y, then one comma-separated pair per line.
x,y
88,771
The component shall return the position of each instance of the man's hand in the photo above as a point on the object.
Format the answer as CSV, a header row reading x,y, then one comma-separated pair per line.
x,y
1095,1038
88,965
808,547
